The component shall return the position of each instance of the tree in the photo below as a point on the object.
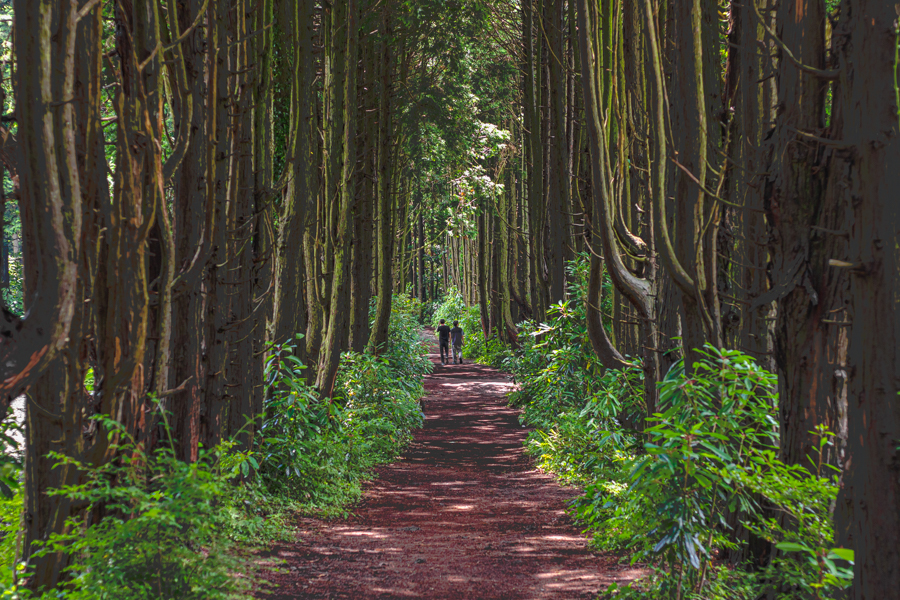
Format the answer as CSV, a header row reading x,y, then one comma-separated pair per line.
x,y
868,515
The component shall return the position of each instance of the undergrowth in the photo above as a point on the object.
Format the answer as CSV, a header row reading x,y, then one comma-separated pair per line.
x,y
669,490
319,453
156,527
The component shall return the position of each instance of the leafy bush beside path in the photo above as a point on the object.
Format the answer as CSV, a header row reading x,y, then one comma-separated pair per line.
x,y
155,527
671,489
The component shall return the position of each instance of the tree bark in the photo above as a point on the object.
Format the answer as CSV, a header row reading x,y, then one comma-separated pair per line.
x,y
383,291
799,201
558,200
50,201
290,293
336,338
189,362
61,188
868,517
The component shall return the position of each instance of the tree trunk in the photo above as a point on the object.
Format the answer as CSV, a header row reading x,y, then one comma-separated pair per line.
x,y
801,212
869,507
213,420
290,293
535,152
193,197
695,218
558,201
47,179
379,337
338,325
61,181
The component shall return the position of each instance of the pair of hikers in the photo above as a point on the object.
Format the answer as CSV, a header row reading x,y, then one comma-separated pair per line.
x,y
448,336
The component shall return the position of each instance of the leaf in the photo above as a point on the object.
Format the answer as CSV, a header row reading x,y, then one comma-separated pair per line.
x,y
692,552
843,554
792,547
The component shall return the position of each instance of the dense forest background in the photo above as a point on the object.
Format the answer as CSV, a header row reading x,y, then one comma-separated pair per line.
x,y
676,223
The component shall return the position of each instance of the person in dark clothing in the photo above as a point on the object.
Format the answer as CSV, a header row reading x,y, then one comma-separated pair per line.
x,y
444,341
456,342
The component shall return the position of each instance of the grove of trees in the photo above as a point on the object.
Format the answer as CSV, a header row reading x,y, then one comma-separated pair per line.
x,y
197,179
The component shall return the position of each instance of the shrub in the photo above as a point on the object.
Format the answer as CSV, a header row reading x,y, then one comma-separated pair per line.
x,y
451,308
671,493
171,529
165,531
711,452
319,452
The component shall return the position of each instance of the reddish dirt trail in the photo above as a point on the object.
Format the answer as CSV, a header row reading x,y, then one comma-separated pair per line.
x,y
463,514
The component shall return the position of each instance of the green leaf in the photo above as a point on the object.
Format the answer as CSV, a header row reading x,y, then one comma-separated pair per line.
x,y
843,554
792,547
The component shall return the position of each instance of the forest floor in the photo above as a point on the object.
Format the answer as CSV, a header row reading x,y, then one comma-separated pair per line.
x,y
462,514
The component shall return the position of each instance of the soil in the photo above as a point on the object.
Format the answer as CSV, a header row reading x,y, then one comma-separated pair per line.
x,y
463,514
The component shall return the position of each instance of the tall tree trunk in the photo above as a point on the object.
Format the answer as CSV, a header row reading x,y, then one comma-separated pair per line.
x,y
869,507
62,186
337,70
50,180
241,328
533,124
801,212
751,104
213,420
693,255
421,247
313,250
495,248
506,255
383,291
481,271
558,201
363,223
338,325
193,197
291,298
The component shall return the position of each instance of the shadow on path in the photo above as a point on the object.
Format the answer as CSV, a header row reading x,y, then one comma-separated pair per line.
x,y
463,514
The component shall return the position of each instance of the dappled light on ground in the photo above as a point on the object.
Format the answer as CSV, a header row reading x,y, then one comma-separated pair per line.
x,y
463,514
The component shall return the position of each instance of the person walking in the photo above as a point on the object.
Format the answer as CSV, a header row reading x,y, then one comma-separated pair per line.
x,y
444,341
456,341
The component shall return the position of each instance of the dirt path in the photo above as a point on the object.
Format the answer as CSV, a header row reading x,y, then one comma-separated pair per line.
x,y
463,514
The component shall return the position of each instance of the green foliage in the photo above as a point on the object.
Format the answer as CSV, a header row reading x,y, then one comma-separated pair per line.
x,y
710,425
668,488
558,371
12,230
473,333
491,351
451,308
801,527
711,453
10,524
319,452
11,453
171,529
381,409
301,449
168,528
11,498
